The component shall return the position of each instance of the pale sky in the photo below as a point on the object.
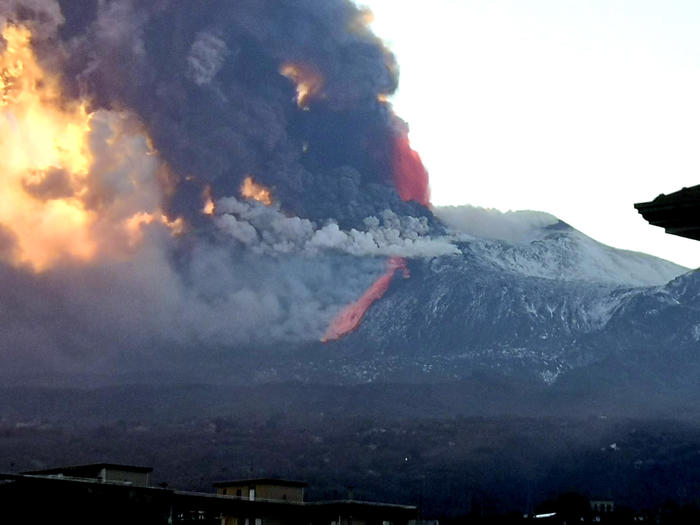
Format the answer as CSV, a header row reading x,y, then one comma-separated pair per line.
x,y
576,108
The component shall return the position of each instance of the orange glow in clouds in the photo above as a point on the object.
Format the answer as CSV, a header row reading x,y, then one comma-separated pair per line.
x,y
134,225
69,180
43,145
257,192
308,80
209,206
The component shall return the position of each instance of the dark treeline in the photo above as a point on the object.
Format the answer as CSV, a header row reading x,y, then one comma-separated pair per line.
x,y
459,467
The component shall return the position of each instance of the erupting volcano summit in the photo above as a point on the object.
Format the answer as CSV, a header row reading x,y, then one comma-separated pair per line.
x,y
190,161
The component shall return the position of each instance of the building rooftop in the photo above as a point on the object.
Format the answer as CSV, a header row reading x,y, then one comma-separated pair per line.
x,y
80,499
358,503
678,213
88,469
262,481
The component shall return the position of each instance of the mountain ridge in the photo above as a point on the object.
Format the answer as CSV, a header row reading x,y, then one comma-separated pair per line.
x,y
558,302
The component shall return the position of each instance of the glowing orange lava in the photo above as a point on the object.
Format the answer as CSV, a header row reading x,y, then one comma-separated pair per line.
x,y
252,190
308,80
350,317
209,206
410,176
411,181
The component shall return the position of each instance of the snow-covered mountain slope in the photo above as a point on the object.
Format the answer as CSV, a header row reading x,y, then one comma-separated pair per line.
x,y
544,304
567,254
534,300
539,245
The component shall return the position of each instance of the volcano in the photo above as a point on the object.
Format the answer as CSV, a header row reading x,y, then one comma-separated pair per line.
x,y
551,306
226,193
218,254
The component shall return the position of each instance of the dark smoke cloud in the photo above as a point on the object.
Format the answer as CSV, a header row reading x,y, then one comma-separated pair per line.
x,y
43,17
204,79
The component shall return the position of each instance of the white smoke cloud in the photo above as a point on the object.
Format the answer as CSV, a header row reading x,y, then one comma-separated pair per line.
x,y
489,223
206,58
266,230
151,306
120,22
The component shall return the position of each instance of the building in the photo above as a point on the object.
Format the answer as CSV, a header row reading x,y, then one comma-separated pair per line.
x,y
130,474
265,488
601,508
678,213
108,493
50,498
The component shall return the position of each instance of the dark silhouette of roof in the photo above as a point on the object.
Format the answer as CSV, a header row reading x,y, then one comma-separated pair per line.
x,y
89,470
42,497
678,213
262,481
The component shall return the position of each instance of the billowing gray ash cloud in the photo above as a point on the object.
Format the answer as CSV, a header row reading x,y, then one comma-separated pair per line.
x,y
287,93
214,83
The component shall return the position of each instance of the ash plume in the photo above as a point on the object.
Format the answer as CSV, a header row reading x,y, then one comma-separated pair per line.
x,y
265,230
177,104
43,17
208,86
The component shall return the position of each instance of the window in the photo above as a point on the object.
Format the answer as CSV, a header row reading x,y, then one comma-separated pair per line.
x,y
251,494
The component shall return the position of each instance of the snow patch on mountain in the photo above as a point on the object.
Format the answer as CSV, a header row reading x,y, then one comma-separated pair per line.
x,y
488,223
598,313
537,244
